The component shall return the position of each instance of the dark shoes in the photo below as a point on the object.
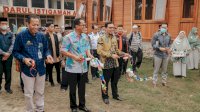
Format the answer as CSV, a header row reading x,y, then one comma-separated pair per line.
x,y
118,98
84,109
74,110
52,84
9,91
106,101
164,84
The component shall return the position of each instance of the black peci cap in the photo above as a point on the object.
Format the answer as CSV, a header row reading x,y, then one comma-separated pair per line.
x,y
3,19
68,28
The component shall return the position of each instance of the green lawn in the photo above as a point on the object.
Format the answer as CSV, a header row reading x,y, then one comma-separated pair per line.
x,y
180,95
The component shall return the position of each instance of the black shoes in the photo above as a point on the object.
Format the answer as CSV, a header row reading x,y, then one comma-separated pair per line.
x,y
74,110
52,84
118,98
9,91
106,101
84,109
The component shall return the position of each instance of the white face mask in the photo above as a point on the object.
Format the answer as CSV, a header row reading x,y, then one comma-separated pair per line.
x,y
4,27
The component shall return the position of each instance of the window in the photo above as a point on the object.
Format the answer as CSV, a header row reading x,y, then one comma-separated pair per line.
x,y
108,10
69,21
17,19
20,3
55,4
46,19
105,10
94,10
149,9
82,10
138,9
69,4
38,3
160,9
3,2
188,9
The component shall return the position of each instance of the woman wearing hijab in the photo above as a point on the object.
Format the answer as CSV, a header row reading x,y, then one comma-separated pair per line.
x,y
180,48
194,41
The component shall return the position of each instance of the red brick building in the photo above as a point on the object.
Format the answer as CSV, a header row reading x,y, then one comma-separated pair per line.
x,y
149,14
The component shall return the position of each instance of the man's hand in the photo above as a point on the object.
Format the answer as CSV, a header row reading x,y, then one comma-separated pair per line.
x,y
49,59
6,56
115,56
162,49
79,58
91,56
29,61
169,51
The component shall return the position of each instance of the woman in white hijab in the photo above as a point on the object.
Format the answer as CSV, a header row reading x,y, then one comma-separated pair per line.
x,y
180,49
194,41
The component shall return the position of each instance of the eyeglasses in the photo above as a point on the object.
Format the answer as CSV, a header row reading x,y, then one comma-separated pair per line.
x,y
111,27
83,25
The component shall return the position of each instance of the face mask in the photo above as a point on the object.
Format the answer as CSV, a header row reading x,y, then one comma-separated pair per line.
x,y
163,30
4,27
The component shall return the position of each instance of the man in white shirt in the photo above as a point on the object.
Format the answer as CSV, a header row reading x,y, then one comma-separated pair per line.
x,y
93,36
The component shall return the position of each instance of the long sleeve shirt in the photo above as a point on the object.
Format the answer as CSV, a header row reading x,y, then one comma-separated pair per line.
x,y
160,40
108,45
6,43
29,46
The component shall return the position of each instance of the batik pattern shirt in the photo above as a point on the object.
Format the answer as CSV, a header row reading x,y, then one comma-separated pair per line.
x,y
77,45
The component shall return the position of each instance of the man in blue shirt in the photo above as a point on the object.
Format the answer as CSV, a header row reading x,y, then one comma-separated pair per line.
x,y
6,47
31,49
76,47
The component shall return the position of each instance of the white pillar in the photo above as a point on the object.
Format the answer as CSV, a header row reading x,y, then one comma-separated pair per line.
x,y
10,3
29,3
46,4
62,4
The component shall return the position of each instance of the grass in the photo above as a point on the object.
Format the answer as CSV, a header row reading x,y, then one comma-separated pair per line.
x,y
180,95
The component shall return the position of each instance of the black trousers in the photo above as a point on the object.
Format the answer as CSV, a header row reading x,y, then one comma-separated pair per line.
x,y
112,74
21,81
94,71
5,67
64,83
122,65
49,70
136,56
77,79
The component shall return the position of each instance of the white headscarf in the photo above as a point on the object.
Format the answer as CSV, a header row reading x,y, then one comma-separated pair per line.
x,y
181,42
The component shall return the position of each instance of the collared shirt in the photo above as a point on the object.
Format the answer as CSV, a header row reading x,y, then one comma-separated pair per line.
x,y
160,40
29,46
56,59
6,43
135,41
93,39
77,45
107,45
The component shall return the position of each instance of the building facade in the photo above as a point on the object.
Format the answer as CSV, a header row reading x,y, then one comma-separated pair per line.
x,y
149,14
59,12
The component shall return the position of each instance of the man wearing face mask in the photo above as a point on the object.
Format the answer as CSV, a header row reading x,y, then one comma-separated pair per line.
x,y
161,44
107,48
6,47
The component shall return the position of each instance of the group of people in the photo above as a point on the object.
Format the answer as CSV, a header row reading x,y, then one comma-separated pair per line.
x,y
184,52
37,52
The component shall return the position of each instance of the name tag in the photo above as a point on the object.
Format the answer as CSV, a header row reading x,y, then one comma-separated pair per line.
x,y
39,54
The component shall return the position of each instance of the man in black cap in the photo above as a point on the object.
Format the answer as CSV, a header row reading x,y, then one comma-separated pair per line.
x,y
6,46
